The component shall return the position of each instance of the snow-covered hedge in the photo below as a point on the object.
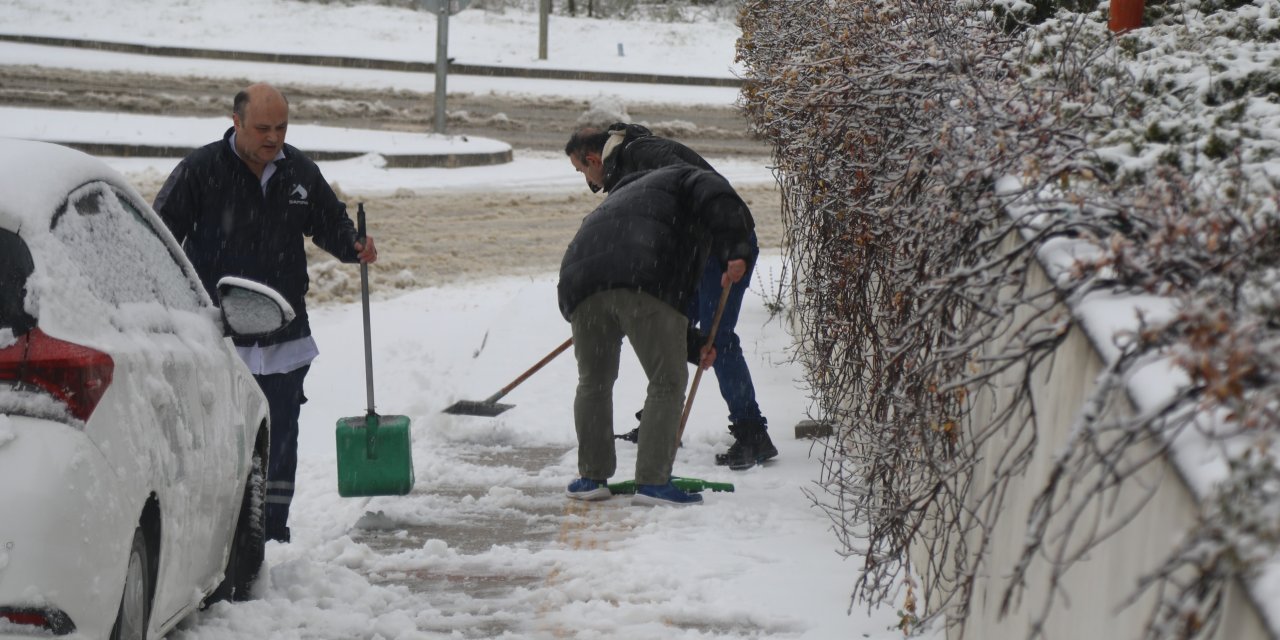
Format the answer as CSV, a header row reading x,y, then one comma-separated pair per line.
x,y
911,138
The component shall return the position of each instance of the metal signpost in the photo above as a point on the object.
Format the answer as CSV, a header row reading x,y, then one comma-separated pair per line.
x,y
442,9
544,11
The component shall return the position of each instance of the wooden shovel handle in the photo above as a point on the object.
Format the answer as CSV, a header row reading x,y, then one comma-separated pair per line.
x,y
532,370
697,376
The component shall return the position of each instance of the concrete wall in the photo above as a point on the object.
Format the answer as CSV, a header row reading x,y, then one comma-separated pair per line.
x,y
1098,583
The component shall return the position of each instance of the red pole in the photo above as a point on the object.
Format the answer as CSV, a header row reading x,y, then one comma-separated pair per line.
x,y
1125,15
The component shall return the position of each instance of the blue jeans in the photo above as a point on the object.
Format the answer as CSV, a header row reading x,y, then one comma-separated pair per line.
x,y
285,399
730,366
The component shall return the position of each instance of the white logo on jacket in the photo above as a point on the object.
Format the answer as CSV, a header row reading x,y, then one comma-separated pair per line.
x,y
299,195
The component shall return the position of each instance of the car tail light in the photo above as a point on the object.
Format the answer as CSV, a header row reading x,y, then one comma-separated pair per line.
x,y
48,620
74,375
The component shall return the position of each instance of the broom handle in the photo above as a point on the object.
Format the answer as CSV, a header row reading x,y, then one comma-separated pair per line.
x,y
697,376
532,370
364,303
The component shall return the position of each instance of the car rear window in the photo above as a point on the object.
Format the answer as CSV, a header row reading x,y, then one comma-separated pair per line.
x,y
121,254
15,267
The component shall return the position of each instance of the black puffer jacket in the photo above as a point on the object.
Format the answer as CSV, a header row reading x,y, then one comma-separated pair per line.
x,y
215,207
640,150
653,233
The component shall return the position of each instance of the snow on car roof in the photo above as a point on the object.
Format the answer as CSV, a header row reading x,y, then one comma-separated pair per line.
x,y
35,178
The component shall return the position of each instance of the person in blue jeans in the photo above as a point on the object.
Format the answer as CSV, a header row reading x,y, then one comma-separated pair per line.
x,y
606,156
630,272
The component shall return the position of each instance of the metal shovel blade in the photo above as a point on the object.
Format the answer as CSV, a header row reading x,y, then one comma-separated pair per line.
x,y
489,407
477,408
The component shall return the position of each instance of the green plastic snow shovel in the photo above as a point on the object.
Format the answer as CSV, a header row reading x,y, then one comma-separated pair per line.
x,y
374,456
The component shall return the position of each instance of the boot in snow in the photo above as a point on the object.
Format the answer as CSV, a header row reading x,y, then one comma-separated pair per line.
x,y
751,446
632,435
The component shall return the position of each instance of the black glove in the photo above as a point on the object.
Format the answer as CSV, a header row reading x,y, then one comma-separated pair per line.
x,y
694,341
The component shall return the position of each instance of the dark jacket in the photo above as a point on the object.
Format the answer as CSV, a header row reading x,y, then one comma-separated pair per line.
x,y
640,150
215,207
653,233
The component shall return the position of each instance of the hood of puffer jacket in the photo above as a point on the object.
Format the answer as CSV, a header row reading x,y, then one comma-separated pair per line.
x,y
620,135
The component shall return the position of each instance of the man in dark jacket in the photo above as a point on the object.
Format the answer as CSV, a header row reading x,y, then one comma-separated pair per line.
x,y
604,158
630,271
242,206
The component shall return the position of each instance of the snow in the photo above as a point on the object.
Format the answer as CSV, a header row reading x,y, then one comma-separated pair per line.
x,y
122,128
27,167
5,430
529,171
510,39
22,54
758,562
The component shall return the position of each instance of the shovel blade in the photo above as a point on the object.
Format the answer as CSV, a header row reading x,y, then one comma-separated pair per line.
x,y
477,408
690,485
374,456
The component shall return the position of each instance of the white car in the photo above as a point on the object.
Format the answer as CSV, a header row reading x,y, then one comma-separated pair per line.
x,y
132,437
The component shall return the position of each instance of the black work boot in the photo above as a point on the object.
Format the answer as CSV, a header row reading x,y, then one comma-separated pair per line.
x,y
764,446
751,446
632,435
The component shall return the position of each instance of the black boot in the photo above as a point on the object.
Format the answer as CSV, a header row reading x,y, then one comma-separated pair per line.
x,y
751,446
632,435
764,446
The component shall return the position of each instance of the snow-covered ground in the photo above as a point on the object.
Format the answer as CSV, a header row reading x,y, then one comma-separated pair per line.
x,y
365,174
704,49
370,30
758,562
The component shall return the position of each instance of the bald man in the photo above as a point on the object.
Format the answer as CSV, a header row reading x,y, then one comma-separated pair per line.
x,y
242,206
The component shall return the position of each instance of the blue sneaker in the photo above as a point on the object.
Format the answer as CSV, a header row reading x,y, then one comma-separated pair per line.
x,y
652,495
588,489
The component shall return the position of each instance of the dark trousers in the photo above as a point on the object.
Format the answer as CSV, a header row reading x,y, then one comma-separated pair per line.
x,y
656,332
731,366
284,395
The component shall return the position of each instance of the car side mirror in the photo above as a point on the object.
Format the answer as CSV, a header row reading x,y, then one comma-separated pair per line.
x,y
251,309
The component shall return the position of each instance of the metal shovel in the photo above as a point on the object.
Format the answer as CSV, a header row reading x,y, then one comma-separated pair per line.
x,y
374,455
489,407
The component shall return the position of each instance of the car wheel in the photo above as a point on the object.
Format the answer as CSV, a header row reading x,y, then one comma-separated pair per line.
x,y
248,547
135,604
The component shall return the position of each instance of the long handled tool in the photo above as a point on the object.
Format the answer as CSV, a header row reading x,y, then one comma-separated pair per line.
x,y
374,456
697,376
489,407
689,485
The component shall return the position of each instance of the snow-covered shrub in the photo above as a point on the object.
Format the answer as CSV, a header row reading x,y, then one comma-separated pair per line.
x,y
910,139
